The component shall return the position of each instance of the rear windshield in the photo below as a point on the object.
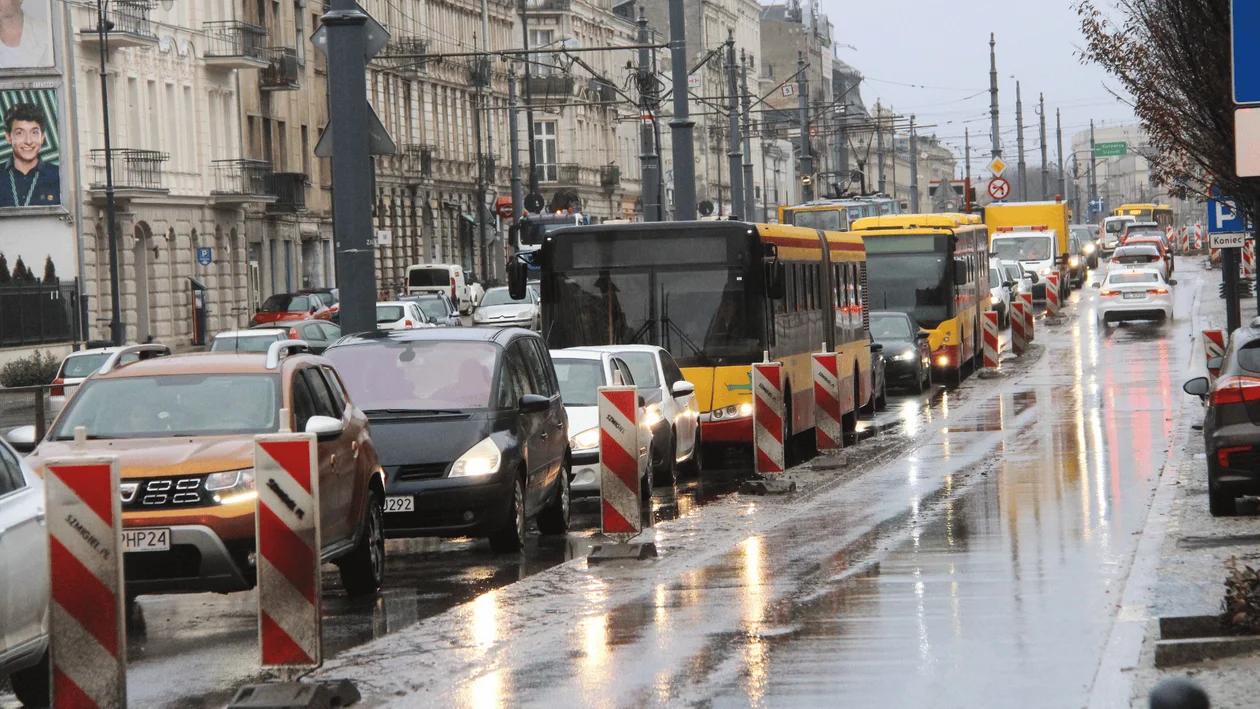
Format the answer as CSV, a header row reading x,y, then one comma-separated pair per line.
x,y
284,302
1125,279
580,380
1144,255
423,277
245,343
83,365
1116,227
417,375
389,313
173,406
1249,356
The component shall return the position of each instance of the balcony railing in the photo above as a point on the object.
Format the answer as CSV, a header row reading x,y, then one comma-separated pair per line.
x,y
126,24
282,72
241,178
289,189
235,45
568,173
133,169
610,175
550,85
603,91
421,157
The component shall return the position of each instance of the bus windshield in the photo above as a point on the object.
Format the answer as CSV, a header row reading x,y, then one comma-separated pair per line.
x,y
531,233
911,283
703,315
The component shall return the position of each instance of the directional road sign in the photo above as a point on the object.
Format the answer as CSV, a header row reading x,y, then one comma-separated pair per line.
x,y
1223,216
1111,150
1244,26
999,189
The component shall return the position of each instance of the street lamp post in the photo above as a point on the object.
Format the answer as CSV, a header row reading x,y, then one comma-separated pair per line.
x,y
116,331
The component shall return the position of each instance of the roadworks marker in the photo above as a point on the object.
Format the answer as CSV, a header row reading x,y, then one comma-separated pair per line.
x,y
1029,317
991,343
1019,340
620,487
768,424
1052,295
1213,347
828,421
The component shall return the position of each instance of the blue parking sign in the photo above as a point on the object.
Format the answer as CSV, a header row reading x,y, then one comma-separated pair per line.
x,y
205,255
1223,216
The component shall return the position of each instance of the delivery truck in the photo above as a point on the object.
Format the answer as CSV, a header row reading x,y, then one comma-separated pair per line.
x,y
1035,235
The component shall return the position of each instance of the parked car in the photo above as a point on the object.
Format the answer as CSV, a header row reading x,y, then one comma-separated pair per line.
x,y
675,420
24,583
498,309
470,427
445,278
907,354
581,373
1000,292
1077,262
75,368
438,307
1022,281
183,427
400,315
1136,294
291,306
1091,242
1231,424
257,339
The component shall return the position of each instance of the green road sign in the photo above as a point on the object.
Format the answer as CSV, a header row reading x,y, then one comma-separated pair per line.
x,y
1111,150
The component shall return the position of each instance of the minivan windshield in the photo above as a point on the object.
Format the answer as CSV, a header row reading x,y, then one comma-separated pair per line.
x,y
417,376
580,380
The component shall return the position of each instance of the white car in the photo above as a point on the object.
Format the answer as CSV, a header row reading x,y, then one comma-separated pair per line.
x,y
499,310
401,315
1112,226
581,373
1138,256
259,340
24,583
1135,294
676,435
75,368
1017,275
1000,289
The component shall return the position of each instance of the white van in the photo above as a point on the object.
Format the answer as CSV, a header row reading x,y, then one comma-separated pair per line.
x,y
445,278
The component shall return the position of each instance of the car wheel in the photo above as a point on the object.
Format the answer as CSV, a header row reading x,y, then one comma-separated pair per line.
x,y
1220,502
554,519
512,537
881,404
645,486
695,463
922,379
31,685
667,472
363,570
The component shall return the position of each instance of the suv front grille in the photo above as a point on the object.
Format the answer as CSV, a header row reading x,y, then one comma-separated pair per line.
x,y
165,493
424,471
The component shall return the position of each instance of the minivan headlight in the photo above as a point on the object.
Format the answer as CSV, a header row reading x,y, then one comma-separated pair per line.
x,y
482,459
587,440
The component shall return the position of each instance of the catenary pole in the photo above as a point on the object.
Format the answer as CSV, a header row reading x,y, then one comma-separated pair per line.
x,y
993,98
681,126
648,157
1022,171
807,160
750,195
914,168
1045,160
736,154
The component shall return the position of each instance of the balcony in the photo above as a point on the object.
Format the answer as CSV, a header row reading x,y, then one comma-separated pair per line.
x,y
548,5
135,172
235,45
126,25
289,189
610,176
421,157
399,55
238,182
282,72
557,85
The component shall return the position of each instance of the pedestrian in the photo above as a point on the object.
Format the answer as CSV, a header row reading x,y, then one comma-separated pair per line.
x,y
25,40
25,179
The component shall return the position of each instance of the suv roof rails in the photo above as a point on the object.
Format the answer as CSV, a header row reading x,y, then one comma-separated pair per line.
x,y
142,352
282,348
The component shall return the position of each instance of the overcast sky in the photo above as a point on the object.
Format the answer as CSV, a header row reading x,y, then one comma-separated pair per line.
x,y
926,44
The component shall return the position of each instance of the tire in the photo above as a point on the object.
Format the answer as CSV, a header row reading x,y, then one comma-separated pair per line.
x,y
881,404
511,538
646,488
1220,503
922,379
667,472
31,685
694,464
554,518
363,569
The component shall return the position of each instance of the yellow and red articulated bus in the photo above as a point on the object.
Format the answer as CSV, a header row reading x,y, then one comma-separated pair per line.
x,y
1161,214
934,267
718,296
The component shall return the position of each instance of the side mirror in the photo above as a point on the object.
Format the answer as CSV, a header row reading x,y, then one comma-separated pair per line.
x,y
683,388
922,335
1032,276
776,281
22,439
325,428
517,271
642,401
1199,386
876,348
1215,363
1009,284
533,404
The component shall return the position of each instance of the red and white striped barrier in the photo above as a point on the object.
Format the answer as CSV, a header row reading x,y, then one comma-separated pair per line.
x,y
619,483
288,537
1172,238
991,345
87,636
1185,240
768,423
1019,341
1213,347
828,420
1198,237
1052,294
1249,259
1029,316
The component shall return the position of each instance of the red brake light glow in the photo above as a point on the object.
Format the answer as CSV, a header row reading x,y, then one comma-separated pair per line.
x,y
1109,293
57,391
1158,291
1236,390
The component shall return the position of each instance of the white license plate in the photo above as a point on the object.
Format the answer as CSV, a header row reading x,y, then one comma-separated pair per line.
x,y
146,539
400,503
1134,296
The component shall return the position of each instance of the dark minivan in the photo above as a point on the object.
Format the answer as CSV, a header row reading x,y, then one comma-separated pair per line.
x,y
470,429
1231,426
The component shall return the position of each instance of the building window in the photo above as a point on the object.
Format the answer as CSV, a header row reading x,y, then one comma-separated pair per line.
x,y
545,150
542,61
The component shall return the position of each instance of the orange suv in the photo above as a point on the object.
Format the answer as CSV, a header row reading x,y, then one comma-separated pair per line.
x,y
183,430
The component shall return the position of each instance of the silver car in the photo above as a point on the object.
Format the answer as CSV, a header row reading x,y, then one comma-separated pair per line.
x,y
499,310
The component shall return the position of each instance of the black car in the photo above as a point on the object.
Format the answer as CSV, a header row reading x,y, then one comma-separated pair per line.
x,y
438,307
1231,426
319,334
907,357
470,429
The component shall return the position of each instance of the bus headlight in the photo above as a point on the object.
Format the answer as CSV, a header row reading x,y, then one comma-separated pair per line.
x,y
942,361
733,412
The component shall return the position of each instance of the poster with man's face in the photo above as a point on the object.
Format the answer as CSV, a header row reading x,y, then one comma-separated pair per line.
x,y
30,149
26,40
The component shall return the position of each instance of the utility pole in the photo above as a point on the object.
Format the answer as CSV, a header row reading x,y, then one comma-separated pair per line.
x,y
482,75
681,126
750,194
914,168
879,144
1058,132
529,104
514,145
483,210
117,333
967,174
807,160
736,154
1045,164
993,97
842,147
1093,172
352,175
1019,128
647,120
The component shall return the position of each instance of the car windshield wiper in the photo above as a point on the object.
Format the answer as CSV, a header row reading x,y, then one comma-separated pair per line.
x,y
422,412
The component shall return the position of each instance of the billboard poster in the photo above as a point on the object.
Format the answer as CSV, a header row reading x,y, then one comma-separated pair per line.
x,y
30,149
26,39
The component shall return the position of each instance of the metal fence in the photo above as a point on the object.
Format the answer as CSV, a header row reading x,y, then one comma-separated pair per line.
x,y
133,169
30,406
230,38
39,314
241,177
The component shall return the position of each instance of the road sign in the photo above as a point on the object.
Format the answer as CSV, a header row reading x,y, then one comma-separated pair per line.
x,y
1111,150
789,89
384,237
1098,205
1222,240
999,188
1223,216
693,82
1244,20
619,487
205,255
997,167
534,203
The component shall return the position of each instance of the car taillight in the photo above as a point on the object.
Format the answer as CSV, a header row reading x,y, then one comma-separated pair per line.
x,y
1222,454
452,286
56,390
1158,291
1109,292
407,323
1235,390
293,333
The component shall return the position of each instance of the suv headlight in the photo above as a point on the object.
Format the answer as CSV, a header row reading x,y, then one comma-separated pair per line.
x,y
652,416
587,440
482,459
232,486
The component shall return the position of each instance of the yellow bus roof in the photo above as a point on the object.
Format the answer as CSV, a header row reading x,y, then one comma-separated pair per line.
x,y
799,243
910,221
